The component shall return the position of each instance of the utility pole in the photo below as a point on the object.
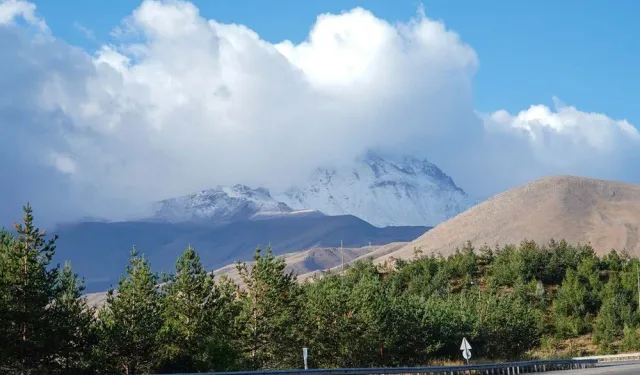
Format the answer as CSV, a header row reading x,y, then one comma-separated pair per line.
x,y
342,251
638,272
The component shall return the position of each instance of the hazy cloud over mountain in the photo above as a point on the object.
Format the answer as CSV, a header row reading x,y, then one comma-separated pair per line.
x,y
177,103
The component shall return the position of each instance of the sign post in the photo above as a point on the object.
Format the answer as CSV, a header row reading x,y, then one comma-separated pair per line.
x,y
304,356
466,349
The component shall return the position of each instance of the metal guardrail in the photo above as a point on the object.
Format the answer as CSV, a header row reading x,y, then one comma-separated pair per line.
x,y
612,357
507,368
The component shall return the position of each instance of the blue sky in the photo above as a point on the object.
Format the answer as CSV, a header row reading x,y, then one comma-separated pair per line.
x,y
585,53
108,128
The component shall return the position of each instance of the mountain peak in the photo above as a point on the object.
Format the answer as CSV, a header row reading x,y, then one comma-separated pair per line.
x,y
409,165
221,203
384,191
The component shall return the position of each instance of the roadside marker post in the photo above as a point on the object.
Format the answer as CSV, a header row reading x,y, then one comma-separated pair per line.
x,y
466,349
304,356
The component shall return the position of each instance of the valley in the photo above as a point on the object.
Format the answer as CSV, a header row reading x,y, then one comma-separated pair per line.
x,y
373,201
225,225
319,187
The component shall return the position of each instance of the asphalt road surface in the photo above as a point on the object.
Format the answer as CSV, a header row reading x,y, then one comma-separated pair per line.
x,y
611,368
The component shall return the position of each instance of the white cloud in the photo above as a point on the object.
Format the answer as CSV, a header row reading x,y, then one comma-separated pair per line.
x,y
86,32
179,103
564,140
13,10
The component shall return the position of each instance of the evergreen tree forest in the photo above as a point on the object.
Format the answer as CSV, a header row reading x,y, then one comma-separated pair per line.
x,y
514,302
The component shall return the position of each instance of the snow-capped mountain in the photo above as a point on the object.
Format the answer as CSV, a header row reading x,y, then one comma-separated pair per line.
x,y
383,192
222,203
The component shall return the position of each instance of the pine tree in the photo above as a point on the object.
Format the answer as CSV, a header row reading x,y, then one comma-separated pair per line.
x,y
195,332
509,326
570,307
130,320
72,325
329,328
29,286
6,241
614,313
270,310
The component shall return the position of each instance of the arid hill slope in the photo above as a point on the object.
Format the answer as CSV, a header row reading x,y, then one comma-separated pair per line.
x,y
580,210
305,264
313,261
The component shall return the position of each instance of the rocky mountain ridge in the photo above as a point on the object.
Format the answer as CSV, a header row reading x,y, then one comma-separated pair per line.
x,y
381,191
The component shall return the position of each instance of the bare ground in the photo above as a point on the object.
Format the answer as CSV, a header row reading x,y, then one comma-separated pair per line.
x,y
304,264
605,214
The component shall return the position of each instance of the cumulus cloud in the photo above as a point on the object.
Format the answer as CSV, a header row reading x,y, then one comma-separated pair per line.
x,y
13,10
177,103
540,141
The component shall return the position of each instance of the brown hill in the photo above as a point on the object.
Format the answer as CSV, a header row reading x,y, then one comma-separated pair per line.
x,y
580,210
313,261
374,254
304,263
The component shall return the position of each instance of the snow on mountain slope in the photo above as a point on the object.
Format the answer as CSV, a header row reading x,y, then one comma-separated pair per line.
x,y
383,192
222,203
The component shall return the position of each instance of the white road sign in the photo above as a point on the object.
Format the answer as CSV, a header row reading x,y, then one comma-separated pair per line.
x,y
466,349
466,354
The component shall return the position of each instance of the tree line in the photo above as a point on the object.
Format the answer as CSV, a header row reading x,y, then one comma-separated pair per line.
x,y
511,302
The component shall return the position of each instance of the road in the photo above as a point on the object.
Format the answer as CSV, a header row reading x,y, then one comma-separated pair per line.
x,y
611,368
